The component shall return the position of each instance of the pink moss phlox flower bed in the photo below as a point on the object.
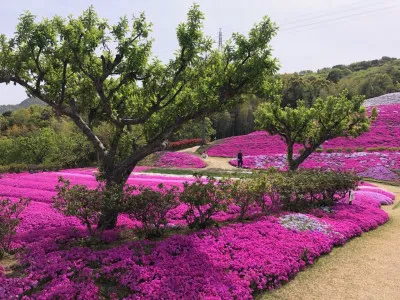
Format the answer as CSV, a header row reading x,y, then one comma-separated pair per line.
x,y
375,165
384,132
377,190
374,196
231,262
178,160
379,173
255,143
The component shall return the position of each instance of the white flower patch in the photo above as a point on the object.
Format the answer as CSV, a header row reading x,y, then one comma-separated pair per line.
x,y
301,222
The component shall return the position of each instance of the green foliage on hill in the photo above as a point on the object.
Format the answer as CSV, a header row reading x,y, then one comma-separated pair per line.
x,y
369,78
34,136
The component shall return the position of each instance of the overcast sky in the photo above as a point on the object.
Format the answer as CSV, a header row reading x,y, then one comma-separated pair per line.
x,y
313,33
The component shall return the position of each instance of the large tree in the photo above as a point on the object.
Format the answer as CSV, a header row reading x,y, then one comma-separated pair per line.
x,y
335,116
96,73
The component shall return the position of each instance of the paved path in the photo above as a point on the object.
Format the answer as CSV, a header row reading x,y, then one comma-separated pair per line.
x,y
365,268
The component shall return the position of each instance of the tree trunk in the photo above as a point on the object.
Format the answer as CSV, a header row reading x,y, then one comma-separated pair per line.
x,y
109,214
295,163
291,163
203,131
108,219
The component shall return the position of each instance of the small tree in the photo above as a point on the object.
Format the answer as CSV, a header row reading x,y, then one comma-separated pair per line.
x,y
9,219
336,116
80,202
94,72
245,193
151,206
204,200
87,204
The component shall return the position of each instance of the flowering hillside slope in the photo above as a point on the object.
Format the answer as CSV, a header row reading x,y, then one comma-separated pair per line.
x,y
178,160
384,132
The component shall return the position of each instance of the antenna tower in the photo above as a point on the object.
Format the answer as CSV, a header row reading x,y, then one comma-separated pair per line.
x,y
220,39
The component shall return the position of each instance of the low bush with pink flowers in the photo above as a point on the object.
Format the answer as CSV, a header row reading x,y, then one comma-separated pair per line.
x,y
233,261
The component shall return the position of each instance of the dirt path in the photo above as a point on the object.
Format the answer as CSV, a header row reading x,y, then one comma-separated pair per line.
x,y
219,163
212,162
367,267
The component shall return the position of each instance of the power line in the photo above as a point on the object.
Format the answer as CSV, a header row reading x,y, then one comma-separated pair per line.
x,y
355,6
312,27
342,8
339,18
299,22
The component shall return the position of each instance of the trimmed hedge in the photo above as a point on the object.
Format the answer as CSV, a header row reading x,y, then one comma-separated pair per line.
x,y
304,189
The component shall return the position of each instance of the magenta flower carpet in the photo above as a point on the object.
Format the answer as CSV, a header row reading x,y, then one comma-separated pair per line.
x,y
233,261
178,160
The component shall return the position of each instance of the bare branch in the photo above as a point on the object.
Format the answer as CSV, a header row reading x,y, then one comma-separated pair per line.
x,y
74,115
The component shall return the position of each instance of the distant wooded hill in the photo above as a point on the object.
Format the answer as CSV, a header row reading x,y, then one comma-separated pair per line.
x,y
24,104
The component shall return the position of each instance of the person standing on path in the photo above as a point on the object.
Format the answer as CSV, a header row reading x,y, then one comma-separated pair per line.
x,y
204,155
240,159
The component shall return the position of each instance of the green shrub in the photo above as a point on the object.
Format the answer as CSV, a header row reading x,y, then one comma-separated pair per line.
x,y
359,149
204,199
266,186
348,150
305,189
9,219
393,149
80,202
245,193
150,207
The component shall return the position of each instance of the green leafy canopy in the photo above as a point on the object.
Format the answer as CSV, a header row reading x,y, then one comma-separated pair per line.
x,y
95,73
